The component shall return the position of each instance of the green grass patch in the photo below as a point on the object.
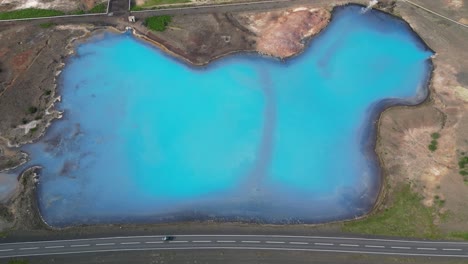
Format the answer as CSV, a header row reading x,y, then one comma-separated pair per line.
x,y
99,8
47,25
459,235
157,23
151,3
29,13
407,217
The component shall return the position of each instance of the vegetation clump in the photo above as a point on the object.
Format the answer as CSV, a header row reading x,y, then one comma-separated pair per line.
x,y
46,25
29,13
433,146
99,8
463,165
32,109
158,23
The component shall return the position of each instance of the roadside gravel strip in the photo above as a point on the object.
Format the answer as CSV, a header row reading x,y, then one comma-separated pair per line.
x,y
238,242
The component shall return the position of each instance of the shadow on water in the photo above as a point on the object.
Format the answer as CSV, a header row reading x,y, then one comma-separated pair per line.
x,y
256,176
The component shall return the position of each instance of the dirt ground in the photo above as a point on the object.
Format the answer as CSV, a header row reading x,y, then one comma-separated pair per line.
x,y
29,56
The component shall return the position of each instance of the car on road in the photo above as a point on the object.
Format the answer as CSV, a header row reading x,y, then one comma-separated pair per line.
x,y
167,238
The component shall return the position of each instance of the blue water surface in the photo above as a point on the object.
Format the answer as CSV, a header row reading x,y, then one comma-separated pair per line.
x,y
147,138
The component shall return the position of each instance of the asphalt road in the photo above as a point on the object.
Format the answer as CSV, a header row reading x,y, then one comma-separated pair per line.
x,y
238,242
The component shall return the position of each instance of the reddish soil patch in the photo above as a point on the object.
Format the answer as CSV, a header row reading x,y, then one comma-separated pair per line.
x,y
21,60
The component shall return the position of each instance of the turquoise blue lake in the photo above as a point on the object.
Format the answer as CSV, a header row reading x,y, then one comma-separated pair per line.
x,y
148,138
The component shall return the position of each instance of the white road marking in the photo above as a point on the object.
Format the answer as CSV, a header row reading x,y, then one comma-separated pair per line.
x,y
105,244
154,242
31,248
201,241
298,243
55,247
323,244
226,241
372,246
129,243
250,241
426,248
452,249
401,247
274,242
84,245
349,245
270,236
179,241
8,249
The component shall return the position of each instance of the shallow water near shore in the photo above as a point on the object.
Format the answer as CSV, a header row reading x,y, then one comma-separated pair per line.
x,y
147,138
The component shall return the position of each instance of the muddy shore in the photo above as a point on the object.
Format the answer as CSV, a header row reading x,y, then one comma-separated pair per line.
x,y
399,132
